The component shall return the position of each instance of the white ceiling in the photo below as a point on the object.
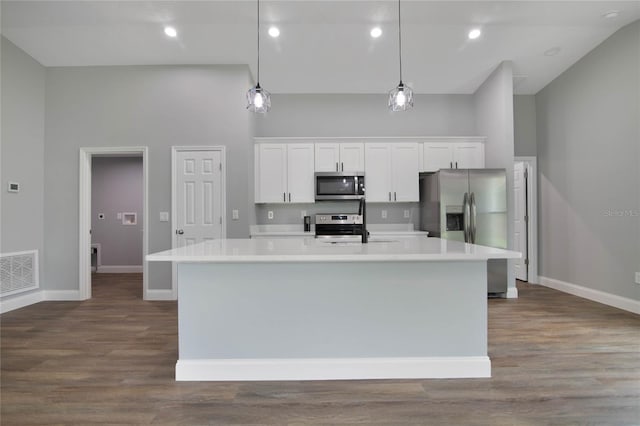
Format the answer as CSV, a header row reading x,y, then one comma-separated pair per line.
x,y
324,46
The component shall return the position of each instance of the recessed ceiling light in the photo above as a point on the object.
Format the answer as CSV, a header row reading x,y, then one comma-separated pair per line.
x,y
170,31
552,52
611,14
474,33
376,32
274,32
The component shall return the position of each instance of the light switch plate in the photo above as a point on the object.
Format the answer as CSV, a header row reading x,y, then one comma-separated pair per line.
x,y
637,277
164,216
384,214
235,214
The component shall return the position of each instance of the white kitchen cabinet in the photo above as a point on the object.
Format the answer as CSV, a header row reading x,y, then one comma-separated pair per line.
x,y
339,157
284,173
452,155
391,172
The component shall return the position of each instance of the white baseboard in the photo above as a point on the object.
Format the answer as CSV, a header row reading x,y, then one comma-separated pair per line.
x,y
62,295
10,303
512,293
332,368
119,269
591,294
159,295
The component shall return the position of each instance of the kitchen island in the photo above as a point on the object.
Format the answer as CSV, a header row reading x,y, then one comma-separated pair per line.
x,y
306,309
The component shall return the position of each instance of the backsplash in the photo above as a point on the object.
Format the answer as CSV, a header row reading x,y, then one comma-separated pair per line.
x,y
292,213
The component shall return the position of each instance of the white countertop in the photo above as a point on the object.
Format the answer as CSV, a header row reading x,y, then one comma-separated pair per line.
x,y
394,249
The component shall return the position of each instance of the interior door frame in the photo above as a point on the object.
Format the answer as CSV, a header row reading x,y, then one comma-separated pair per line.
x,y
531,166
174,202
84,214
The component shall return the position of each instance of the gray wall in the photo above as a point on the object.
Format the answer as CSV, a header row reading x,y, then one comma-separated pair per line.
x,y
154,106
361,115
117,187
524,126
367,115
22,150
588,159
494,119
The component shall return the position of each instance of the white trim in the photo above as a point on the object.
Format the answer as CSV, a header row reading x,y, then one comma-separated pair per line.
x,y
84,217
512,293
532,189
62,295
332,368
120,269
160,295
596,295
174,205
20,301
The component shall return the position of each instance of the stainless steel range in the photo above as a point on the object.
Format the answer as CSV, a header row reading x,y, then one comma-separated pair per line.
x,y
339,225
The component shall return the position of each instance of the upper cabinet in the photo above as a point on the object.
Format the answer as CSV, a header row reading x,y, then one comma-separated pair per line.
x,y
391,172
453,155
339,157
284,173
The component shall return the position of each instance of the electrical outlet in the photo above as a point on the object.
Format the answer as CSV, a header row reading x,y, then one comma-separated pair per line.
x,y
637,277
407,214
303,213
119,216
270,215
384,214
235,214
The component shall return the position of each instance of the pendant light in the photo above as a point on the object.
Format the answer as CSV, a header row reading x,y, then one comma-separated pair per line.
x,y
400,98
258,99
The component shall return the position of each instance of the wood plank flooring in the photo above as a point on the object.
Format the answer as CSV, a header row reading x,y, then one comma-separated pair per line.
x,y
557,359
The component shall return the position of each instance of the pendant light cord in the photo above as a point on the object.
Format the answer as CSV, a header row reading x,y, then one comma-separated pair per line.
x,y
399,41
258,16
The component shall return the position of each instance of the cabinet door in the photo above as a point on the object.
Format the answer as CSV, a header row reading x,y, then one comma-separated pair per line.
x,y
405,167
352,157
437,156
271,175
327,157
468,155
300,165
377,172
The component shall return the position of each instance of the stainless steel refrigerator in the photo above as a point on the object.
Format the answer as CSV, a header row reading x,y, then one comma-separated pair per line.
x,y
468,205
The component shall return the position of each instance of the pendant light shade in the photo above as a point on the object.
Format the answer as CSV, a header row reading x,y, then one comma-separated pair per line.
x,y
258,99
400,98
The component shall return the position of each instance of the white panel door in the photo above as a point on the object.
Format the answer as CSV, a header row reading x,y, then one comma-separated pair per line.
x,y
468,155
300,164
437,156
352,157
327,157
405,166
520,228
377,172
271,179
198,196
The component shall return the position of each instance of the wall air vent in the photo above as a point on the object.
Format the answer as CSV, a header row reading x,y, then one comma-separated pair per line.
x,y
18,272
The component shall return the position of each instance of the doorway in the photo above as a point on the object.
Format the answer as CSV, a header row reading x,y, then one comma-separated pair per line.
x,y
525,219
126,219
198,197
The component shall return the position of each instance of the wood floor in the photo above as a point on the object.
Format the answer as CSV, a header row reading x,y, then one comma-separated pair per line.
x,y
557,359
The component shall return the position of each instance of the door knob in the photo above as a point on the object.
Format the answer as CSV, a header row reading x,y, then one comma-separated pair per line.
x,y
179,232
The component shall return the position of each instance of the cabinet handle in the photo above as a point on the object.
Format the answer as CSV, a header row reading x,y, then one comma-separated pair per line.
x,y
389,195
342,166
284,196
395,196
337,168
456,164
451,164
289,197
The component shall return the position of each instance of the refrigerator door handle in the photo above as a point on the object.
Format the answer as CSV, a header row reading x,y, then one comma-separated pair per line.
x,y
466,212
474,217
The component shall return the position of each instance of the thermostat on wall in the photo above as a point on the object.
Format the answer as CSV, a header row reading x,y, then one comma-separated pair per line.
x,y
13,187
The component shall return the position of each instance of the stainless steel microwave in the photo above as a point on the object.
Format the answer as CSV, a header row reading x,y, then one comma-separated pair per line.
x,y
339,185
